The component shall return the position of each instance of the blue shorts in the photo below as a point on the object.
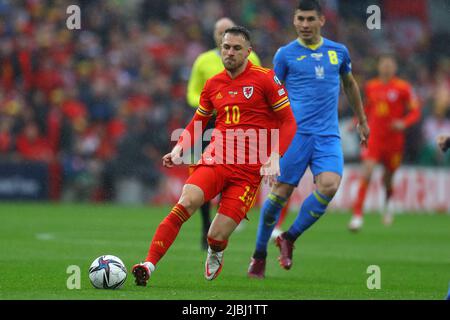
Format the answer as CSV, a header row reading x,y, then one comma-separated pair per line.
x,y
320,153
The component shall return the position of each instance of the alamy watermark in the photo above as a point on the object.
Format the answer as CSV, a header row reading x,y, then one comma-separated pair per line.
x,y
374,20
232,146
73,22
374,280
74,279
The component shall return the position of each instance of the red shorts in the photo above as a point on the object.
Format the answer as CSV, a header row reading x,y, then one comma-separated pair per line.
x,y
238,188
391,157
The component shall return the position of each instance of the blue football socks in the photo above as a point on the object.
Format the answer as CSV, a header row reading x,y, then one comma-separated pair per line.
x,y
270,212
312,209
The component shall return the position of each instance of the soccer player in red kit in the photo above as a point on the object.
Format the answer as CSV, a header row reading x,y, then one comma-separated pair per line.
x,y
391,107
248,100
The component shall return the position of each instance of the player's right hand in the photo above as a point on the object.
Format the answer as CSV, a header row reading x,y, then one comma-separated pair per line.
x,y
364,132
271,169
173,158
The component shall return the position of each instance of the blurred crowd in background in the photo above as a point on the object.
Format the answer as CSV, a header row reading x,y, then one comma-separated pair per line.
x,y
98,105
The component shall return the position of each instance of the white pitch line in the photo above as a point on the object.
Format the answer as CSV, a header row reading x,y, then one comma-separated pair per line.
x,y
45,236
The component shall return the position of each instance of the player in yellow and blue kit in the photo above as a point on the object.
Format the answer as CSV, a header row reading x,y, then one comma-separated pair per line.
x,y
312,68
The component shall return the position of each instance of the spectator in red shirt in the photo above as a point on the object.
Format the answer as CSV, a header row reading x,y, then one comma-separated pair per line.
x,y
31,145
6,138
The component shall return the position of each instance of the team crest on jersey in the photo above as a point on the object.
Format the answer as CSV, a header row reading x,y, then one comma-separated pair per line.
x,y
320,72
248,91
317,56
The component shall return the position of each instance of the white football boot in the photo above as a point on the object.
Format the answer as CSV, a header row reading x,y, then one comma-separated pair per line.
x,y
213,264
275,233
355,224
142,272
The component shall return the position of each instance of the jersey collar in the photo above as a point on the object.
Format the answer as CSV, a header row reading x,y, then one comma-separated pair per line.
x,y
249,64
311,46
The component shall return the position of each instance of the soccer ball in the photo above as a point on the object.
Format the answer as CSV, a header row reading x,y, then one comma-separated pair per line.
x,y
107,272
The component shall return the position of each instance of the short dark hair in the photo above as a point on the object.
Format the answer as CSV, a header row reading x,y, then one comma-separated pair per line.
x,y
306,5
239,30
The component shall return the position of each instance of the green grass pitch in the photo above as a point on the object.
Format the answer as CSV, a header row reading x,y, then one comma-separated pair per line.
x,y
39,241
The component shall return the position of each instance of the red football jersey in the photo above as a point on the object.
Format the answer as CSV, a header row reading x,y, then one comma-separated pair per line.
x,y
385,103
247,108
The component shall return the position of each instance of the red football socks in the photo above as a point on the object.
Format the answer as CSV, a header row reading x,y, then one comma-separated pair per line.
x,y
217,245
358,208
166,233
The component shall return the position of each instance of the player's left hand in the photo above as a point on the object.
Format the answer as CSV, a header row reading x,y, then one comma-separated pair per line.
x,y
271,169
398,125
